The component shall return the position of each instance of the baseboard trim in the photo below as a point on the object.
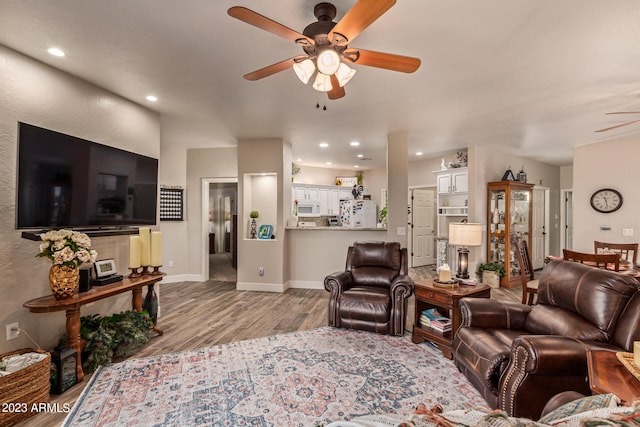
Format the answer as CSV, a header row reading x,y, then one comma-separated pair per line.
x,y
261,287
305,284
183,278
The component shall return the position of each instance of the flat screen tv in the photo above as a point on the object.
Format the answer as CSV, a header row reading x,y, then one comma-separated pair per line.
x,y
65,181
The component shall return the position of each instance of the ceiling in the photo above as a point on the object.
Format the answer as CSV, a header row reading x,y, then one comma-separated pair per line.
x,y
533,77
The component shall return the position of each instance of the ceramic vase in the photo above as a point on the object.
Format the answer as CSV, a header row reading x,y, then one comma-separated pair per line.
x,y
63,280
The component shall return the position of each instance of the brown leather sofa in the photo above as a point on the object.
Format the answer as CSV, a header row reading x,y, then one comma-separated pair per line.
x,y
519,356
371,294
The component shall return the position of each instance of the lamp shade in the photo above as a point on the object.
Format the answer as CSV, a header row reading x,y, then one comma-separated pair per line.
x,y
328,61
344,74
304,70
465,234
322,83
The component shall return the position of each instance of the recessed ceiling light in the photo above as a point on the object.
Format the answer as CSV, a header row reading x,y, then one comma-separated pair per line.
x,y
299,160
329,163
354,143
55,51
152,98
356,166
324,145
419,153
360,156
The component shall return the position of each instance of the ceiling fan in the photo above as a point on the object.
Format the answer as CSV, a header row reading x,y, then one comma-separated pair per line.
x,y
622,124
325,44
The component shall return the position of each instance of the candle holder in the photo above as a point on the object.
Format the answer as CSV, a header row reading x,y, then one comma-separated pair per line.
x,y
134,273
145,270
156,271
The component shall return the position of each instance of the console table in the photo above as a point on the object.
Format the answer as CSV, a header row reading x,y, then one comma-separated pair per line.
x,y
72,306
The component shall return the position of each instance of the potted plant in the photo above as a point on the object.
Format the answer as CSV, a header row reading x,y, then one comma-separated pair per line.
x,y
253,215
382,216
491,273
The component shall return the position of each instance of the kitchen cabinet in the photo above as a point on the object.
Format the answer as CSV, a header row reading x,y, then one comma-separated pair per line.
x,y
451,197
328,196
509,213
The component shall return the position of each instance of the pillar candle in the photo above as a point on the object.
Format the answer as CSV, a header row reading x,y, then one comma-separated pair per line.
x,y
156,249
636,353
145,246
134,251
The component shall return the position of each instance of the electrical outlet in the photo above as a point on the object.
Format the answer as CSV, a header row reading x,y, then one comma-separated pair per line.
x,y
261,271
171,264
13,331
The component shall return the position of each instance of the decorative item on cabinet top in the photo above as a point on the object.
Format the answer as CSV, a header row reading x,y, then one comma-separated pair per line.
x,y
171,203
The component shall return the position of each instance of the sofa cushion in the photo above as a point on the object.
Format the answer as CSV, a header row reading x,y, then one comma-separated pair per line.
x,y
595,294
550,320
366,304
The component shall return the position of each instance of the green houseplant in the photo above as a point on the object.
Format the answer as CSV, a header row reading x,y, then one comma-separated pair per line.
x,y
491,273
109,337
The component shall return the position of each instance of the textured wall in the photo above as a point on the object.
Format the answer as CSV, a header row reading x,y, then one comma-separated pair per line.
x,y
38,94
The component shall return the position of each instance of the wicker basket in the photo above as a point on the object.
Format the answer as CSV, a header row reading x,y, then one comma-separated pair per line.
x,y
23,388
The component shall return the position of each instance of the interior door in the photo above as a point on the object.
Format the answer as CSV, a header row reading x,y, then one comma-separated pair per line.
x,y
423,230
539,235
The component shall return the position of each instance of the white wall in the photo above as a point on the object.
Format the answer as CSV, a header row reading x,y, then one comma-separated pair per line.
x,y
41,95
605,165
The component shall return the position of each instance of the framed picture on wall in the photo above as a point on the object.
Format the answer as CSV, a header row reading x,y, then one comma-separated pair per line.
x,y
171,204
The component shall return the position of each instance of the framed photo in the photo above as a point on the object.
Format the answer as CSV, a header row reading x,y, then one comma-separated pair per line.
x,y
105,267
265,232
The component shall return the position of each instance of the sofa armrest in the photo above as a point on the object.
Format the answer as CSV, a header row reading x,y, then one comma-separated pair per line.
x,y
402,286
540,367
492,314
336,283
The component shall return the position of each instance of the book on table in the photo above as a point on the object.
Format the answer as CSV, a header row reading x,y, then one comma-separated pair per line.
x,y
441,324
426,316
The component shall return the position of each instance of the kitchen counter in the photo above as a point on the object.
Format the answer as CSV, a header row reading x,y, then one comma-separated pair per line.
x,y
325,228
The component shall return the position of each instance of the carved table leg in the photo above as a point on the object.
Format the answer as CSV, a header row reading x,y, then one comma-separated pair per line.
x,y
73,338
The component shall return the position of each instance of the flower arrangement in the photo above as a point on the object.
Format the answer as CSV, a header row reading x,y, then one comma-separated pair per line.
x,y
67,247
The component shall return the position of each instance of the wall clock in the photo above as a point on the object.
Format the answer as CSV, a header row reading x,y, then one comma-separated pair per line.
x,y
606,200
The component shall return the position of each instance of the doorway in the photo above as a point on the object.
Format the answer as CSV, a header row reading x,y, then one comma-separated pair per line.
x,y
539,227
220,229
422,227
566,219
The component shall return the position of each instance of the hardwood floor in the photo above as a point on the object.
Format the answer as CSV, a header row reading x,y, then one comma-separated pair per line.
x,y
196,315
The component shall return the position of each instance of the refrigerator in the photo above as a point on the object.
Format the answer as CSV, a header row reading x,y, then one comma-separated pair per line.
x,y
358,213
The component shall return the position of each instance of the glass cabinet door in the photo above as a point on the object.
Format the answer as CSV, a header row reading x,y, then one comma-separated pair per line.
x,y
508,217
497,225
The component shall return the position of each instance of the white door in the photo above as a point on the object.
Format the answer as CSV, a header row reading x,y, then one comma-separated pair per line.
x,y
538,231
422,236
567,220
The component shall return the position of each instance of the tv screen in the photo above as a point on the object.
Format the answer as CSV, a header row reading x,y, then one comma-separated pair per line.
x,y
64,181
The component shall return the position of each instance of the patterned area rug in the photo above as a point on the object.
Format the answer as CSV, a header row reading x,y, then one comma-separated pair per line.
x,y
304,379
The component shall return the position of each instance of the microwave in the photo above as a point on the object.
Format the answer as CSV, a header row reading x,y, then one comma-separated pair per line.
x,y
308,208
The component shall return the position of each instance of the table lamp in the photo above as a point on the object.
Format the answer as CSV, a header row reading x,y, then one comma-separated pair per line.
x,y
464,234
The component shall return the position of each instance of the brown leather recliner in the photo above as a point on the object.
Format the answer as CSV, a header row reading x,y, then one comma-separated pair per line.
x,y
519,356
371,294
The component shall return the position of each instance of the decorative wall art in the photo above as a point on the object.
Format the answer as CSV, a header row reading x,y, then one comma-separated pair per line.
x,y
171,204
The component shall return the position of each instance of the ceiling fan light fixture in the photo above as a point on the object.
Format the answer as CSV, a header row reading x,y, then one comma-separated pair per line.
x,y
322,83
304,70
344,74
328,61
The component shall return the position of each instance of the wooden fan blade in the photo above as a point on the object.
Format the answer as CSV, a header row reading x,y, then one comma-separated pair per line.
x,y
361,15
270,69
625,112
336,91
388,61
260,21
618,126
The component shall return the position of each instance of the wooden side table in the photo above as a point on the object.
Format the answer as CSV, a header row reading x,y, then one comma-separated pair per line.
x,y
608,375
447,301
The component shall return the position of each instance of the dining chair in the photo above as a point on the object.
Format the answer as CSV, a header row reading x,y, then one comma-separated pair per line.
x,y
529,284
604,261
627,251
